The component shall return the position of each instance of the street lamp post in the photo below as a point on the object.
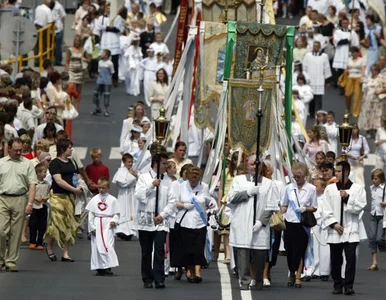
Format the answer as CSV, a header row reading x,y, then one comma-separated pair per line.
x,y
161,125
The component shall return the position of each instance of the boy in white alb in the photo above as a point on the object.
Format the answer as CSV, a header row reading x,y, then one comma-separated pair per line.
x,y
103,218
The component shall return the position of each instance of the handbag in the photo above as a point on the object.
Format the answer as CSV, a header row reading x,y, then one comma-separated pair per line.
x,y
307,219
177,226
276,221
69,112
362,150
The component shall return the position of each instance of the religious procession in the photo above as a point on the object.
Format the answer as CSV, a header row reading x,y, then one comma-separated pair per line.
x,y
230,154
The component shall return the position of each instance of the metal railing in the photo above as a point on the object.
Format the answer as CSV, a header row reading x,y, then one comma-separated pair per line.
x,y
46,47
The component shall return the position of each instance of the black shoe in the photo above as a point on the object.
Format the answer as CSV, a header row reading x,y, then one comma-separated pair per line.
x,y
100,272
128,237
178,276
337,292
52,256
244,287
307,279
67,259
148,285
109,272
198,279
160,285
324,278
349,292
96,112
192,279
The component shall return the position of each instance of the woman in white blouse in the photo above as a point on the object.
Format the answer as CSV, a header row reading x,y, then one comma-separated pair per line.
x,y
356,152
158,92
193,199
299,197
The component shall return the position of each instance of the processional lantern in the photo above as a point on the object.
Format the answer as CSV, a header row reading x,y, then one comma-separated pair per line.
x,y
345,131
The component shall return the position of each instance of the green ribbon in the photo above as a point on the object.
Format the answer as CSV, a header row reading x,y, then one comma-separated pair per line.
x,y
231,38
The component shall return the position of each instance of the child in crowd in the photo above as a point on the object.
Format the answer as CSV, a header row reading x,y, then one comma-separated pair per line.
x,y
172,168
96,170
38,219
104,83
146,125
330,157
126,179
103,217
321,117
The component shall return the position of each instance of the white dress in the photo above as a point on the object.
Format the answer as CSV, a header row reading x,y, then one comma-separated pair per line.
x,y
103,209
133,57
149,67
123,65
127,204
332,134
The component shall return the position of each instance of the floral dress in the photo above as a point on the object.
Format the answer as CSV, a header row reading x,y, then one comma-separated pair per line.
x,y
371,108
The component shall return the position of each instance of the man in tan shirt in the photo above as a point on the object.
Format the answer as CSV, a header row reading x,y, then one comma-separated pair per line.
x,y
17,182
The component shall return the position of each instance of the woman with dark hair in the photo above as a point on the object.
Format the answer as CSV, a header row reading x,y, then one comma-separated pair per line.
x,y
110,39
158,92
193,199
49,134
179,156
62,225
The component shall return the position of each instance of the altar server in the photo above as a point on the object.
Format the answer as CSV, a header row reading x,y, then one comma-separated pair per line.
x,y
126,178
153,227
149,67
103,218
317,66
133,56
341,207
251,238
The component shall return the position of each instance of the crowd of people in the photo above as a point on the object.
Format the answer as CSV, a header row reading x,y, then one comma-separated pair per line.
x,y
315,217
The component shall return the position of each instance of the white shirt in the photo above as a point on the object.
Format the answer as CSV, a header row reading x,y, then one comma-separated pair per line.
x,y
39,131
306,198
303,20
26,118
159,47
43,15
58,14
184,193
377,197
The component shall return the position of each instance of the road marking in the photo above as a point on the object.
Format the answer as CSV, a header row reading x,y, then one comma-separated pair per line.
x,y
115,153
82,152
225,279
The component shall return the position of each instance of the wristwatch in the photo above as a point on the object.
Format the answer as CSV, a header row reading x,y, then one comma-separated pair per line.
x,y
29,203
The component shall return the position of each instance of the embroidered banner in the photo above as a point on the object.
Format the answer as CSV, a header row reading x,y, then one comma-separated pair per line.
x,y
181,32
256,45
209,83
242,121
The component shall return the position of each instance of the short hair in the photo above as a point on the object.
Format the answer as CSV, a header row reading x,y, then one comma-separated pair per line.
x,y
327,165
25,138
41,145
354,49
40,167
300,166
331,154
194,172
171,163
320,153
104,180
62,145
108,52
127,156
371,18
54,77
185,168
47,63
61,134
378,173
331,113
156,159
14,141
95,151
322,181
179,144
345,166
27,102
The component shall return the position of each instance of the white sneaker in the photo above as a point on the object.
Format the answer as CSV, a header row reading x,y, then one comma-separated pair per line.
x,y
253,283
266,282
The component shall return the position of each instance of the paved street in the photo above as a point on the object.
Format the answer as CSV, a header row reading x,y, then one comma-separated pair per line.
x,y
40,279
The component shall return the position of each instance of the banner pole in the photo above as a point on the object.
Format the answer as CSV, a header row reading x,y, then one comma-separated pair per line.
x,y
288,86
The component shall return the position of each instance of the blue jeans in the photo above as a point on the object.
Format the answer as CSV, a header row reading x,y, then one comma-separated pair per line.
x,y
58,47
376,234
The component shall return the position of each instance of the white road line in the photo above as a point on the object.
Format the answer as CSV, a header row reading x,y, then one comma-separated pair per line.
x,y
225,278
82,152
115,153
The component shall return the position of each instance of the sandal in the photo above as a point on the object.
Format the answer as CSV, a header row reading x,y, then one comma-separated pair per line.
x,y
227,261
291,281
52,256
373,267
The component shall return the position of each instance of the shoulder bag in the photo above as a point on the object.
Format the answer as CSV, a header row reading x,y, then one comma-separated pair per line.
x,y
307,219
276,221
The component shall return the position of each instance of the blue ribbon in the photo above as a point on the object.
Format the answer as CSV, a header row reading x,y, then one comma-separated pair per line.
x,y
208,248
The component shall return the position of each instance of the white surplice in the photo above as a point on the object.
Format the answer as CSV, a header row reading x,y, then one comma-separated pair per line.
x,y
103,209
318,68
331,207
127,203
133,57
306,95
242,205
342,51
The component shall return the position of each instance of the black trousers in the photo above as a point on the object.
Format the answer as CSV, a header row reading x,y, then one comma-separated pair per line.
x,y
315,105
37,225
147,239
295,243
115,61
336,252
275,248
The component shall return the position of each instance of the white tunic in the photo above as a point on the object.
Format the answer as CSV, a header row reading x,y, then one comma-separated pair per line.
x,y
133,57
241,231
110,40
145,193
342,51
103,209
332,131
318,68
127,203
331,208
